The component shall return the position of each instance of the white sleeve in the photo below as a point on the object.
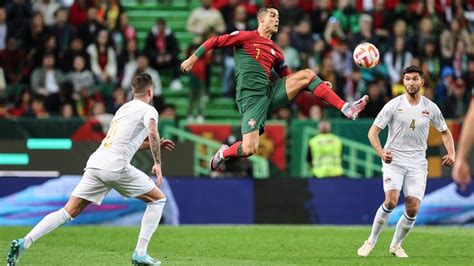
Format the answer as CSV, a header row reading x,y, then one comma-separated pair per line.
x,y
151,113
384,116
438,119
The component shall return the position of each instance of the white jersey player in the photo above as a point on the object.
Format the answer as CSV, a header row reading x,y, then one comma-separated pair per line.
x,y
408,117
109,167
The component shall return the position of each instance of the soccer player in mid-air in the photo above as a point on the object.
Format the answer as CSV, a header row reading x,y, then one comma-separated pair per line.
x,y
461,173
408,117
109,167
255,55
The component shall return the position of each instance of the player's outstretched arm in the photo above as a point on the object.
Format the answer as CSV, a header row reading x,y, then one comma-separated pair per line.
x,y
154,139
461,172
448,159
374,139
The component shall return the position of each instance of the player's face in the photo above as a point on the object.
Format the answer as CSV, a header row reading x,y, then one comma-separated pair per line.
x,y
270,20
412,83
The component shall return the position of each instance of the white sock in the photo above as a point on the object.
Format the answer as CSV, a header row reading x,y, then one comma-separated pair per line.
x,y
48,224
380,221
151,219
404,226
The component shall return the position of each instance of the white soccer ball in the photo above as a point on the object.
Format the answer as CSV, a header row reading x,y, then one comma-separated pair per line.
x,y
366,55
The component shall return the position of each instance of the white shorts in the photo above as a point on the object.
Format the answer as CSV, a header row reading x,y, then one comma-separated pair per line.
x,y
96,183
412,180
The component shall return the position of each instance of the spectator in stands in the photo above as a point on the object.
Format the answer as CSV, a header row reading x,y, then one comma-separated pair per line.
x,y
343,62
430,62
469,76
205,17
459,62
47,9
108,13
125,56
377,100
447,80
426,33
292,57
142,65
3,28
119,98
449,38
37,108
13,61
89,30
123,33
293,14
48,46
366,32
346,16
81,77
400,31
238,22
333,32
19,14
103,58
78,11
168,112
36,35
397,59
305,103
302,39
62,29
355,86
46,79
162,50
54,101
76,48
67,111
316,57
228,11
325,153
22,104
457,101
320,16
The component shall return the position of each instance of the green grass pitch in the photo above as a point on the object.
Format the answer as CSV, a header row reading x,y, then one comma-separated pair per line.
x,y
244,245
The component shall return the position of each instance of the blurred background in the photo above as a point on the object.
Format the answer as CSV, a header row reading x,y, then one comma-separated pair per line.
x,y
66,67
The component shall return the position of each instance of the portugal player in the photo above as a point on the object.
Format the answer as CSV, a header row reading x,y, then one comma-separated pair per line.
x,y
255,56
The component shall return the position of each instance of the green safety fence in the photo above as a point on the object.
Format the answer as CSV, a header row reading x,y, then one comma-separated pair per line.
x,y
205,149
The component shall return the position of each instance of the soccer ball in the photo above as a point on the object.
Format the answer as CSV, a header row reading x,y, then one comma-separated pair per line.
x,y
366,55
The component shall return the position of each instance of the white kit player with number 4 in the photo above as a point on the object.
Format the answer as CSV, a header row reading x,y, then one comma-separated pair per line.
x,y
408,117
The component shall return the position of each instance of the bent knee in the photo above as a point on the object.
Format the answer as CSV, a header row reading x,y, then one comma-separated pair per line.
x,y
390,204
249,150
411,212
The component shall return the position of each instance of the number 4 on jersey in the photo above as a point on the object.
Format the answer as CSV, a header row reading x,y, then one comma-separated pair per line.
x,y
413,125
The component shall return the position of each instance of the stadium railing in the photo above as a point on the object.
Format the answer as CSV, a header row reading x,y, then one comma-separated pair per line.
x,y
204,149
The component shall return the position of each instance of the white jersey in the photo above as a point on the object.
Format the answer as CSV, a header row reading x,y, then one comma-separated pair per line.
x,y
408,128
128,129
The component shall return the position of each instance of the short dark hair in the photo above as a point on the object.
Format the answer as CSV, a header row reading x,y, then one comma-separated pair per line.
x,y
263,10
140,83
413,69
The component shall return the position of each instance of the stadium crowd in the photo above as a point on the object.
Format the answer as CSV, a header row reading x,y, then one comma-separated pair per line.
x,y
76,58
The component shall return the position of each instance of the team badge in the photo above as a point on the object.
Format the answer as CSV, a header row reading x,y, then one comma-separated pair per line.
x,y
400,110
252,123
425,112
272,51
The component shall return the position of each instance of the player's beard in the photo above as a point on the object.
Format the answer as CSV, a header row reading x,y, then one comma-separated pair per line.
x,y
413,92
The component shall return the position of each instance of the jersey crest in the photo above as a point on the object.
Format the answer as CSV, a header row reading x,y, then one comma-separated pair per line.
x,y
252,123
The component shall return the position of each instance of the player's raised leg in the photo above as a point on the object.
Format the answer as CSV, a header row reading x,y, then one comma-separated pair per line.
x,y
404,226
155,201
380,221
307,79
50,222
245,148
